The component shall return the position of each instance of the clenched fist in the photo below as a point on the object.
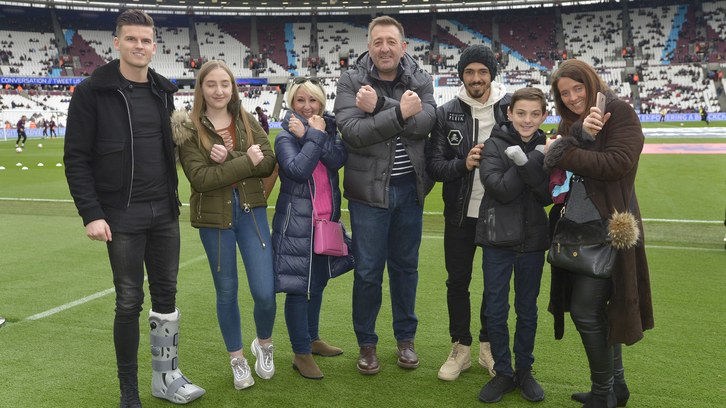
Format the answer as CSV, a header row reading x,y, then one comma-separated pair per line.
x,y
410,104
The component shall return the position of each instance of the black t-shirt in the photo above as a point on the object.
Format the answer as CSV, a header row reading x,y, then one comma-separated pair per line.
x,y
150,178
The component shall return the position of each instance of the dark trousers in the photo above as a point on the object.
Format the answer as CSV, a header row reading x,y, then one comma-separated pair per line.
x,y
587,309
459,250
142,234
21,135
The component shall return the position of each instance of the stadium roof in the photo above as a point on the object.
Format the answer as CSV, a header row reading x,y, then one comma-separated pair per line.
x,y
298,7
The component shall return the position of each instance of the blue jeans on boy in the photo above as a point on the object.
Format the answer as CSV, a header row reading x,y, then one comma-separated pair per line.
x,y
386,236
497,265
220,247
302,315
142,234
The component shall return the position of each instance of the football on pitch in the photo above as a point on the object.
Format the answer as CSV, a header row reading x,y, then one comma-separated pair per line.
x,y
19,149
40,144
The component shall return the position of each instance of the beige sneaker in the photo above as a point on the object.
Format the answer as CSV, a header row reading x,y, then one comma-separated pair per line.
x,y
486,359
459,360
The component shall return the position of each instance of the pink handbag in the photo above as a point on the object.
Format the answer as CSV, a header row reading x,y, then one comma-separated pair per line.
x,y
328,237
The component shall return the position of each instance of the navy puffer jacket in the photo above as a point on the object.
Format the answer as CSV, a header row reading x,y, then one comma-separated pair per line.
x,y
292,224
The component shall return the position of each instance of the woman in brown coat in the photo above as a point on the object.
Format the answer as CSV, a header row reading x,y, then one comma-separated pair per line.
x,y
603,148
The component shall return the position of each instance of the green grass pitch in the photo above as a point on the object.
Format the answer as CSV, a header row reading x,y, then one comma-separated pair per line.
x,y
66,358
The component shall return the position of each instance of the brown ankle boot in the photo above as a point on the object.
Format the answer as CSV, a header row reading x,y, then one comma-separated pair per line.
x,y
320,348
305,364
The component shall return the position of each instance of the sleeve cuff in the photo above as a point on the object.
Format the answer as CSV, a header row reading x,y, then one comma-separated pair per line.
x,y
399,115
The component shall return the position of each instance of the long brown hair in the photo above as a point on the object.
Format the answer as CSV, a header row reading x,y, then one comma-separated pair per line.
x,y
583,73
200,105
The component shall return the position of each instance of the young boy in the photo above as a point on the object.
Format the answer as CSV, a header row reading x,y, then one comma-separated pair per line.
x,y
513,232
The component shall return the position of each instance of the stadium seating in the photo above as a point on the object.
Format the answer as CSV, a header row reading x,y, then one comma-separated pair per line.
x,y
663,37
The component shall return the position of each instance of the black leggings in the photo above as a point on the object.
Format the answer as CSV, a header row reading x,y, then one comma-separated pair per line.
x,y
21,134
587,309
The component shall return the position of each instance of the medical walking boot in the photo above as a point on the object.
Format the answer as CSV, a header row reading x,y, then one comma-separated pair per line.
x,y
167,380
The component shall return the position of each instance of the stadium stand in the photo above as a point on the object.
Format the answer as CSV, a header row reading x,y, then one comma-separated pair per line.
x,y
672,45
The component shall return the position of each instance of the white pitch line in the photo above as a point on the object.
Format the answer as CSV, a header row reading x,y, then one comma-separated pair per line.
x,y
272,207
95,296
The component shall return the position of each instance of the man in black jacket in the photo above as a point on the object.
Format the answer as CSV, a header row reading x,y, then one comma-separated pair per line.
x,y
121,171
462,126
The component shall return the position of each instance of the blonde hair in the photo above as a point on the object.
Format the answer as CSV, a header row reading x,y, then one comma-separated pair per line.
x,y
315,90
200,105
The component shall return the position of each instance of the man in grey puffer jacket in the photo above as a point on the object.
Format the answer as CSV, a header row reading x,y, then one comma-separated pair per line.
x,y
385,110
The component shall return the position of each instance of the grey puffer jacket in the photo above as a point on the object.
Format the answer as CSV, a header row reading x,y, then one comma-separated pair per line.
x,y
371,139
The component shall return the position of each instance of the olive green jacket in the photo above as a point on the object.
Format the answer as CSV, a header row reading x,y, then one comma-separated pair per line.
x,y
211,182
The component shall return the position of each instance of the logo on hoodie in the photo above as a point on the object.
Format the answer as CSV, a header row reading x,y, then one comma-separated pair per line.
x,y
454,137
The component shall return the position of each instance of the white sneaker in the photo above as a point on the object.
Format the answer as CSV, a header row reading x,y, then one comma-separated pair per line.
x,y
486,359
459,360
264,366
242,373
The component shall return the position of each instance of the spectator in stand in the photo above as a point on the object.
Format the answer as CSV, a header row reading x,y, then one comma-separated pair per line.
x,y
262,118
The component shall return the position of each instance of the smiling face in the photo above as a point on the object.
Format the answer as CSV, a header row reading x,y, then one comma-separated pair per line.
x,y
386,49
136,46
217,90
477,81
573,95
305,104
527,117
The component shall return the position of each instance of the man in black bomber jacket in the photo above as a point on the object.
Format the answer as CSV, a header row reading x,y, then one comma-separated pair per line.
x,y
452,157
120,167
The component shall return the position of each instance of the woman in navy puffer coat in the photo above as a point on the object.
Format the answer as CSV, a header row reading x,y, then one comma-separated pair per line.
x,y
310,153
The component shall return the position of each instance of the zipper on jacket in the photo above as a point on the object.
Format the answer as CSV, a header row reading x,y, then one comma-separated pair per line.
x,y
199,206
287,219
248,209
470,176
131,127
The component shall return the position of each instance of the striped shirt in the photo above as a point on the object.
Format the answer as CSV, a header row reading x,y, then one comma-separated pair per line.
x,y
402,163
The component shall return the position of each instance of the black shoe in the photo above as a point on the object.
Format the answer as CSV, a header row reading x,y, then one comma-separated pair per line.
x,y
129,393
622,394
601,401
531,390
496,388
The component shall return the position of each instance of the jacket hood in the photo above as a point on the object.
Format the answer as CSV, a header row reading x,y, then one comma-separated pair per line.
x,y
108,78
182,127
496,93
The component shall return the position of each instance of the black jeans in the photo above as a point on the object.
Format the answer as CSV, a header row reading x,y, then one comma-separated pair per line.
x,y
587,309
142,234
459,250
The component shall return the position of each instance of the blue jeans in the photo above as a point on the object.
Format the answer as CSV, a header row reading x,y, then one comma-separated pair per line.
x,y
302,314
220,247
142,234
386,236
497,265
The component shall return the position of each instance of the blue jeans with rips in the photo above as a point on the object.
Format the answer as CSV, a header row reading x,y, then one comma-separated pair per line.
x,y
220,247
141,234
497,265
386,237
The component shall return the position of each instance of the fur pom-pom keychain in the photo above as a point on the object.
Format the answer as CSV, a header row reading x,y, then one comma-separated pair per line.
x,y
623,230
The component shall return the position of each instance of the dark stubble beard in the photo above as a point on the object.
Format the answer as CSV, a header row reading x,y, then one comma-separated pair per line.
x,y
478,95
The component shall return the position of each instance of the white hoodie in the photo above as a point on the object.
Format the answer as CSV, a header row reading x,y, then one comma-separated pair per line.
x,y
484,113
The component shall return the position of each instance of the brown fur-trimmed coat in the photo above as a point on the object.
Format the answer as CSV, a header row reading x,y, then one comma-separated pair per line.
x,y
609,165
